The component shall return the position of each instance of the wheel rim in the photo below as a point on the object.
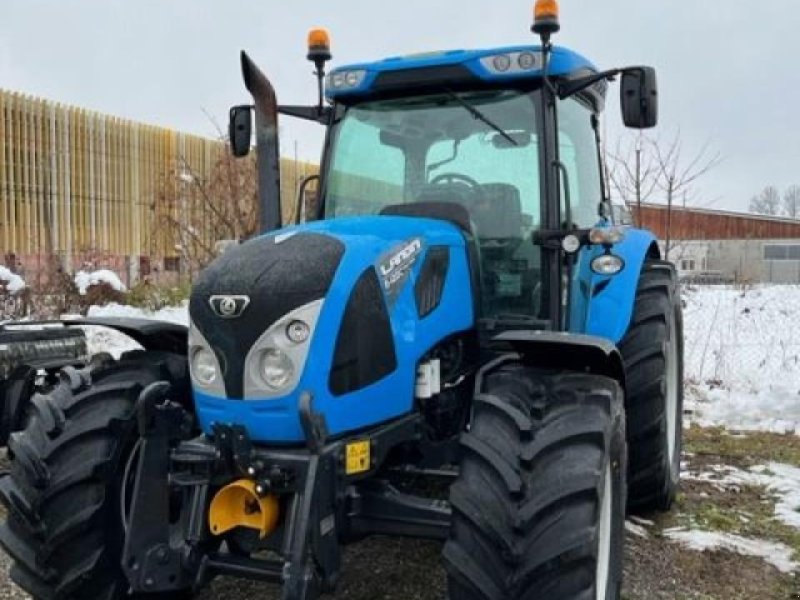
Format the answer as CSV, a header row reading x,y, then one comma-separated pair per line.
x,y
672,390
604,539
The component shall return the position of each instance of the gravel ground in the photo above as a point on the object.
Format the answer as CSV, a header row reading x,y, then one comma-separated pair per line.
x,y
392,569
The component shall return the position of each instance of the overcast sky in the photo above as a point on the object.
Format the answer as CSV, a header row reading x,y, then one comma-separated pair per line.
x,y
728,68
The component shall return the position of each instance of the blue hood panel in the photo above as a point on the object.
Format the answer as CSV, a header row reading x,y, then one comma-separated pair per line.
x,y
396,247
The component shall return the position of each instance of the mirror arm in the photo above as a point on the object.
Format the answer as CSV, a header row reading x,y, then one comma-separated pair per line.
x,y
566,89
307,113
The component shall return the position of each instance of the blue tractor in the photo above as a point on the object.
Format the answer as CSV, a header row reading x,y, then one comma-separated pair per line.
x,y
454,341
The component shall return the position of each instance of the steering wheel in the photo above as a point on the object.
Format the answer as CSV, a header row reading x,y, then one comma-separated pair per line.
x,y
454,177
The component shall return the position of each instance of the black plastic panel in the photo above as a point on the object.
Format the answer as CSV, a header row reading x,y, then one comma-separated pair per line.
x,y
437,76
365,350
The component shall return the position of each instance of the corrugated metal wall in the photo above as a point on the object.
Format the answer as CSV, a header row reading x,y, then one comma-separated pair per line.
x,y
701,224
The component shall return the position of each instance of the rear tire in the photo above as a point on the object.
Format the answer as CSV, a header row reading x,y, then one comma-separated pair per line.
x,y
653,354
64,529
538,507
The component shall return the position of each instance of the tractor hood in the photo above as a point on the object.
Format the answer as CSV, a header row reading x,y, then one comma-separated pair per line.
x,y
343,309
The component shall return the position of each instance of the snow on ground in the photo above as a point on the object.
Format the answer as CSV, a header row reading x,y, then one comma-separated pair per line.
x,y
742,353
101,339
85,279
173,314
777,554
13,282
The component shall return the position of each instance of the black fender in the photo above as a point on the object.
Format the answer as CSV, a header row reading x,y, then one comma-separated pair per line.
x,y
564,350
157,336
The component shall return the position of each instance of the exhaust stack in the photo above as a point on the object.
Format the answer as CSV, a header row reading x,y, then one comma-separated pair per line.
x,y
268,159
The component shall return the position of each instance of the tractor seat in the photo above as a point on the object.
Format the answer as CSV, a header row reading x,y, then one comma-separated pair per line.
x,y
451,193
498,212
450,202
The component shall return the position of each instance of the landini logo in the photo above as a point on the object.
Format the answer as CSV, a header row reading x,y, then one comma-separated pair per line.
x,y
229,307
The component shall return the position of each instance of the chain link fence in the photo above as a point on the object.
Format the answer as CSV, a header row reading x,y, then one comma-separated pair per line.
x,y
742,338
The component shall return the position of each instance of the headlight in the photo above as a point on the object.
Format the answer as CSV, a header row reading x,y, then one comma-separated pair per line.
x,y
607,264
298,331
502,62
276,368
527,61
204,367
346,80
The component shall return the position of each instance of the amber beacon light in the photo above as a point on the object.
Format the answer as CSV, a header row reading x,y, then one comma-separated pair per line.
x,y
319,45
545,17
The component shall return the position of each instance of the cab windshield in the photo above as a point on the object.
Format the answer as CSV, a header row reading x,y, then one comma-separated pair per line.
x,y
390,151
477,149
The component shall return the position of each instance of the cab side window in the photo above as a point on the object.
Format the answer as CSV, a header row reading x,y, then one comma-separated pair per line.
x,y
577,151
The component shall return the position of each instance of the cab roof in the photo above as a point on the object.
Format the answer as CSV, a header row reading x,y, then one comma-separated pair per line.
x,y
449,66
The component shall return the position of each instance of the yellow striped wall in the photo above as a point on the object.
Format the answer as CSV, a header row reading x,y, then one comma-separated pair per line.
x,y
73,181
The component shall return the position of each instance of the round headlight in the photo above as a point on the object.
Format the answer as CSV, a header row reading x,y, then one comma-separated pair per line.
x,y
571,244
204,367
502,62
276,368
527,60
298,331
608,264
352,78
337,80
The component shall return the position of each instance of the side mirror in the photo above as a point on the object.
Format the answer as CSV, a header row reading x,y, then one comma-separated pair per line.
x,y
240,130
639,97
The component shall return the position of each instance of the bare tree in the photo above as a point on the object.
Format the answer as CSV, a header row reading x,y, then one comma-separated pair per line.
x,y
677,175
791,202
194,215
632,171
768,202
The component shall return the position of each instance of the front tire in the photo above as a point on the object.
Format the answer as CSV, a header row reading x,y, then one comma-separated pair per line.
x,y
653,354
538,507
64,529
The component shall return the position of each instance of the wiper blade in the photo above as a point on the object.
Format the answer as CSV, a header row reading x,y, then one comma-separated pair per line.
x,y
481,117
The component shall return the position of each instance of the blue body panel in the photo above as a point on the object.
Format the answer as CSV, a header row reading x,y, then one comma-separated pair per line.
x,y
366,240
562,62
610,312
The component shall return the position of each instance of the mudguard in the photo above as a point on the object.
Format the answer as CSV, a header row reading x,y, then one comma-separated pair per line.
x,y
157,336
612,298
554,350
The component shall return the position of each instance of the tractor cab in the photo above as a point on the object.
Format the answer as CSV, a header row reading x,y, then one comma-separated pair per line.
x,y
503,142
462,139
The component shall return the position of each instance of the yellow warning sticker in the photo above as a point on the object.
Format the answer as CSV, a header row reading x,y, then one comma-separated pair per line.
x,y
357,457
